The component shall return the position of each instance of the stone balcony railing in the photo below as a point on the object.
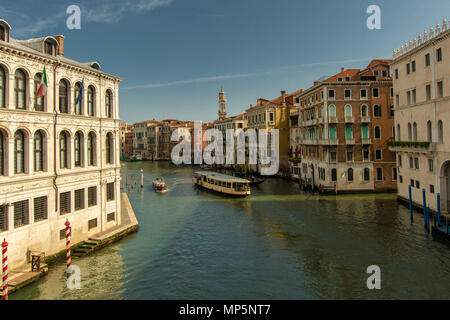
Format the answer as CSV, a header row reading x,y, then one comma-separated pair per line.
x,y
349,141
332,119
349,119
412,146
366,141
329,142
365,119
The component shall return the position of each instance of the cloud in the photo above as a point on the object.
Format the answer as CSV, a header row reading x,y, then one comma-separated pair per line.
x,y
281,70
112,11
100,11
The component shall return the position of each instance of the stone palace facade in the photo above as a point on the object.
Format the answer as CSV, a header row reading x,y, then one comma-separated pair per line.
x,y
58,160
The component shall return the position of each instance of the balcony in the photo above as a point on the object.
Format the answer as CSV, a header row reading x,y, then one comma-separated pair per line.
x,y
329,142
309,141
349,119
412,146
349,141
366,119
321,120
333,120
366,141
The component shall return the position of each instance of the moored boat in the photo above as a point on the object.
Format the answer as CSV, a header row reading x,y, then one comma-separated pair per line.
x,y
159,185
222,183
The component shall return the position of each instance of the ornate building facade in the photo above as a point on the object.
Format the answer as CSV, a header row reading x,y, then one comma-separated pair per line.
x,y
59,155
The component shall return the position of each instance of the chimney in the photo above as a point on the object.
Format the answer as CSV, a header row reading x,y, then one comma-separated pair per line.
x,y
60,40
342,69
283,97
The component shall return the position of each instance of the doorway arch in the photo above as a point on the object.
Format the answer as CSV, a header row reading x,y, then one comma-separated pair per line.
x,y
445,185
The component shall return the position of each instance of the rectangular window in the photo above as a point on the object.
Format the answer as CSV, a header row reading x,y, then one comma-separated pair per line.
x,y
21,213
378,154
428,92
440,89
401,179
366,154
111,217
4,219
396,74
40,209
79,199
417,184
411,163
363,93
408,97
376,92
439,54
384,74
408,68
333,156
331,94
394,174
64,203
397,101
431,188
92,224
110,191
413,96
413,66
430,165
427,60
400,161
348,94
349,154
379,174
416,163
412,183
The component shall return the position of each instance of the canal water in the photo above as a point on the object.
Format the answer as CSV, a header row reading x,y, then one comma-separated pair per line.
x,y
279,243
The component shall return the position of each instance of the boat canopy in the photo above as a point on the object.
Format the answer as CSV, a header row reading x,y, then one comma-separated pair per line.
x,y
219,176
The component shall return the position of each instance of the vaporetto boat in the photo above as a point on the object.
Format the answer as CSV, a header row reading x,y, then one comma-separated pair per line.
x,y
222,183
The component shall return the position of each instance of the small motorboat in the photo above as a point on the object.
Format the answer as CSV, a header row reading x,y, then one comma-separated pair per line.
x,y
159,185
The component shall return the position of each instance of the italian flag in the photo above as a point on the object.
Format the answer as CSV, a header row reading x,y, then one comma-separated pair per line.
x,y
42,90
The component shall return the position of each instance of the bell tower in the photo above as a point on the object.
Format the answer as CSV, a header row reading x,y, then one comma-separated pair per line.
x,y
222,105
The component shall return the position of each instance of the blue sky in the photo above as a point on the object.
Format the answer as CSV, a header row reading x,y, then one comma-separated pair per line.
x,y
176,54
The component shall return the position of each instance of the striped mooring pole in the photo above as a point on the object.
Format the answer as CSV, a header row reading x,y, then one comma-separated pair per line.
x,y
411,204
68,256
5,269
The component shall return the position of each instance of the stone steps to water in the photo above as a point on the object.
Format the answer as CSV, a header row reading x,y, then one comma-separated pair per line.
x,y
86,248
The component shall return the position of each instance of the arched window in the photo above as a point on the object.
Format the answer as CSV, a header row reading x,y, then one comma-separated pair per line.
x,y
38,103
364,111
19,152
377,111
332,111
91,149
2,154
350,174
349,132
429,132
348,110
415,131
2,33
377,133
2,87
20,89
109,148
63,96
366,174
38,151
63,152
90,101
399,137
77,149
333,175
409,132
440,131
109,104
79,105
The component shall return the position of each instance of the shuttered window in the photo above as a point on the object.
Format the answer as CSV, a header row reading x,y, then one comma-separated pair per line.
x,y
92,224
3,218
92,196
110,191
64,203
79,199
40,209
21,213
111,217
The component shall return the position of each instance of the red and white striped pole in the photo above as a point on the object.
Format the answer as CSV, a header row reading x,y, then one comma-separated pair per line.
x,y
5,269
68,256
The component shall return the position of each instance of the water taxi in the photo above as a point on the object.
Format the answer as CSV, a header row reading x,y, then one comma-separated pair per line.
x,y
222,183
159,185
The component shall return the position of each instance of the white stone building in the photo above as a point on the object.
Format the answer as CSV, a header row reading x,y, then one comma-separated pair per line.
x,y
58,161
421,79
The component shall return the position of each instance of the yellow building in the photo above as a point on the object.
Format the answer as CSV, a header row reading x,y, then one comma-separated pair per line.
x,y
269,115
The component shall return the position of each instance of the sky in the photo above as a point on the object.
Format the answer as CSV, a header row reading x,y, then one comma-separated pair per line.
x,y
175,55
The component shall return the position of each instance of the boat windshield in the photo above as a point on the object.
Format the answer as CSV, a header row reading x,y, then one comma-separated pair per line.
x,y
241,187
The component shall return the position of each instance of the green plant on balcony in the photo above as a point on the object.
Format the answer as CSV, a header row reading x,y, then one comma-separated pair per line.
x,y
409,144
296,160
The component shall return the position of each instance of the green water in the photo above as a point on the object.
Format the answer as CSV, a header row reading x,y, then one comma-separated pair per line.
x,y
279,243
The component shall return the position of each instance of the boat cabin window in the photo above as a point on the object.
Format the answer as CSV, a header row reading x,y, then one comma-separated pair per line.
x,y
204,178
228,185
